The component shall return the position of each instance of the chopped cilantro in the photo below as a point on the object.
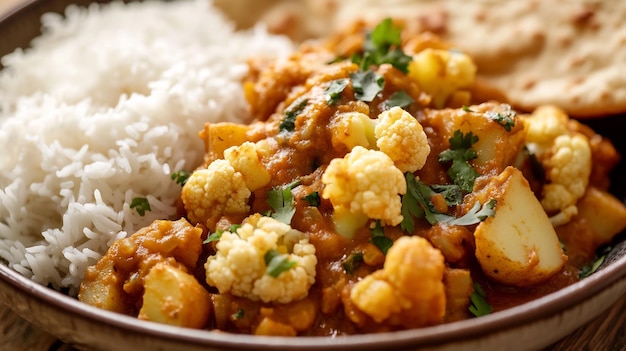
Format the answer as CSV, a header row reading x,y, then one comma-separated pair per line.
x,y
353,262
288,124
475,215
282,201
478,302
379,239
467,109
313,199
451,192
366,85
334,90
181,176
505,118
460,152
383,45
595,265
218,233
239,314
400,98
277,263
141,205
416,203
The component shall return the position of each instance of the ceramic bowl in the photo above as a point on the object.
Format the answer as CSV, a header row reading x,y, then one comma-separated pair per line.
x,y
520,328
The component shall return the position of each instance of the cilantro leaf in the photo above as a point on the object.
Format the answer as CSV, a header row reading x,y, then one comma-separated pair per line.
x,y
383,45
478,302
460,152
334,90
595,265
366,85
384,35
239,314
475,215
451,192
218,233
379,239
282,202
141,205
313,199
416,203
505,118
180,177
288,124
353,262
277,263
400,98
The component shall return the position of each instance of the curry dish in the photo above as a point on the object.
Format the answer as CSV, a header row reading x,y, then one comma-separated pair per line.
x,y
380,188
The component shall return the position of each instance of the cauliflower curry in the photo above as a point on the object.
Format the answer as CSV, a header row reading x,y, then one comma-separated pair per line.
x,y
375,191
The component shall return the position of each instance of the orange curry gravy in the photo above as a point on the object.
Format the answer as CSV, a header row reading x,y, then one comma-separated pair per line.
x,y
305,153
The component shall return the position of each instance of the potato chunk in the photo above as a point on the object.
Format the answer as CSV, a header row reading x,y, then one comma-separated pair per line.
x,y
605,214
173,296
518,246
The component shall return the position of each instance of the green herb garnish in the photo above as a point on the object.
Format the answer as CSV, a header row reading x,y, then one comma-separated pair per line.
x,y
478,302
475,215
218,233
379,239
313,199
334,90
383,45
400,99
180,177
366,85
460,152
597,262
506,118
239,314
282,202
277,263
353,262
288,124
416,203
141,205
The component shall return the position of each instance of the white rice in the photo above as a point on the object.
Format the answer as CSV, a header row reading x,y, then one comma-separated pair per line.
x,y
103,108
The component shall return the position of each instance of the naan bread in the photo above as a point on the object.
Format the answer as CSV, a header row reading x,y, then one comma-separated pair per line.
x,y
571,53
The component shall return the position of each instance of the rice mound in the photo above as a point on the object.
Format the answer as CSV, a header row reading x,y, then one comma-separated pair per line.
x,y
103,107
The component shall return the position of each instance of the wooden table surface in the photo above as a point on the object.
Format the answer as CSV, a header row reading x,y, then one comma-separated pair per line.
x,y
606,333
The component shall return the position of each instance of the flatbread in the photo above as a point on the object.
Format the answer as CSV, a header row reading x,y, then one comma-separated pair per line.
x,y
571,53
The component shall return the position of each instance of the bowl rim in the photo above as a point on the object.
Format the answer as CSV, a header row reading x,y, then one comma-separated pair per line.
x,y
473,328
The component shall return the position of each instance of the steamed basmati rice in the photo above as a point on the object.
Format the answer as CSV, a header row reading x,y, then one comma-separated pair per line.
x,y
103,108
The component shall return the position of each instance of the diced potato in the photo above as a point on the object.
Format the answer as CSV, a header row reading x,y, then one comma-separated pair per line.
x,y
605,214
220,136
518,245
103,288
174,297
459,288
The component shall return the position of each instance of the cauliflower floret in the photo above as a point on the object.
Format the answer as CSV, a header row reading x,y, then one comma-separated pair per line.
x,y
245,160
409,290
395,132
365,182
441,73
566,158
214,191
240,265
401,137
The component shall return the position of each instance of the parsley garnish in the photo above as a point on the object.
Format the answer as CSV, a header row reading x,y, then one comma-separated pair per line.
x,y
460,152
277,263
595,265
180,177
400,98
313,199
383,45
334,90
506,118
282,201
379,239
288,124
141,205
366,85
478,302
353,262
